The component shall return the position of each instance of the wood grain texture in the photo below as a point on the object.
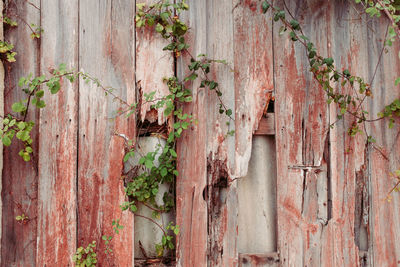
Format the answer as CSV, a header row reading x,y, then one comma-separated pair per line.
x,y
57,222
19,179
220,149
384,219
106,40
347,154
259,260
266,126
152,65
301,132
191,184
253,74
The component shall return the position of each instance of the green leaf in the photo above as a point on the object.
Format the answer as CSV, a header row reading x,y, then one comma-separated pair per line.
x,y
26,157
212,85
173,153
159,27
40,93
21,125
328,61
55,88
397,81
164,15
6,140
18,107
164,172
295,24
265,6
148,163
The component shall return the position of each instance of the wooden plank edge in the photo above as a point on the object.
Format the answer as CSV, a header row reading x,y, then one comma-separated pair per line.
x,y
266,125
258,259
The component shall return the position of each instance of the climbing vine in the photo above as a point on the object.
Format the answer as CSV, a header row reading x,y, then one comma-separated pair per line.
x,y
334,81
152,169
158,167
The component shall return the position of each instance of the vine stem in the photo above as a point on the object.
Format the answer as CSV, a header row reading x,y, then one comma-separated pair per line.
x,y
396,28
153,221
288,25
205,75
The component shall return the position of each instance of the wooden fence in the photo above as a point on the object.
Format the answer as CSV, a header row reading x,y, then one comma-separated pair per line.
x,y
322,201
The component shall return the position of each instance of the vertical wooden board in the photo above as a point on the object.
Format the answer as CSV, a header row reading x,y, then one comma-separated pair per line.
x,y
191,184
19,179
253,72
106,39
301,132
347,154
385,215
2,115
58,135
220,149
152,65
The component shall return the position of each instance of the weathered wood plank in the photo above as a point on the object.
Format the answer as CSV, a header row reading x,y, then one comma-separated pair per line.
x,y
57,222
301,133
258,260
253,75
220,147
384,224
347,154
19,179
266,126
152,65
191,184
106,40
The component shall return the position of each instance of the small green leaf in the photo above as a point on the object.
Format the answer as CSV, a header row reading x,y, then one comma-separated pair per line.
x,y
6,140
18,107
265,6
148,163
173,153
159,27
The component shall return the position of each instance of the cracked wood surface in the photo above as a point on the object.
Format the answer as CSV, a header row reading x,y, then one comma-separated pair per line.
x,y
57,203
19,178
106,48
152,65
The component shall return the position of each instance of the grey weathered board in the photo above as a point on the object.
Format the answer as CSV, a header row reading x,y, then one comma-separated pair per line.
x,y
57,191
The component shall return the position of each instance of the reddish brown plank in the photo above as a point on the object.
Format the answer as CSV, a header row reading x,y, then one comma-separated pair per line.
x,y
152,65
266,126
191,207
253,76
106,40
384,157
301,139
19,179
220,147
57,222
